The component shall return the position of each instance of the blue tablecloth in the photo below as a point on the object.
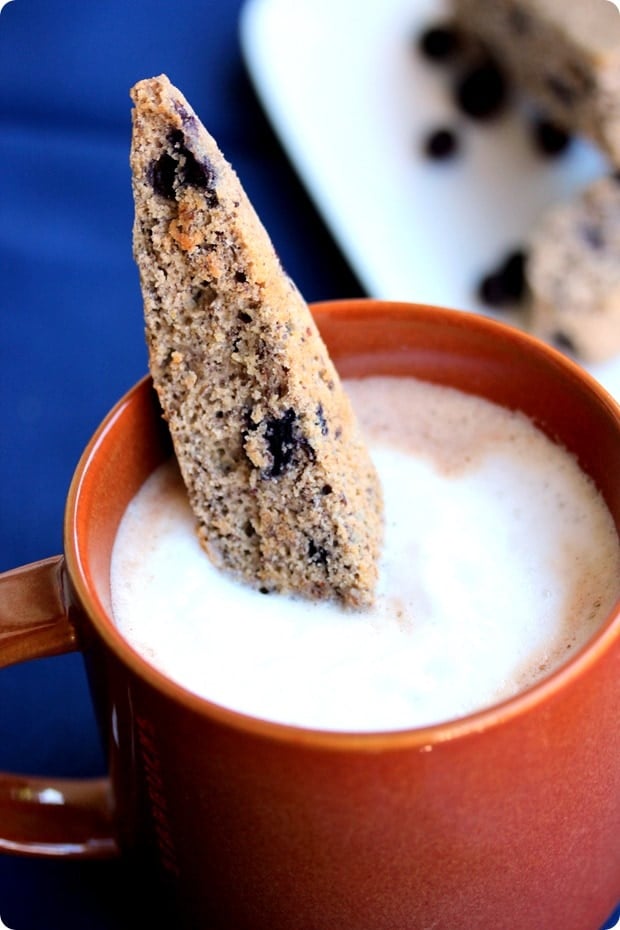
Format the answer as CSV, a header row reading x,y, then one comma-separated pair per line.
x,y
71,332
71,338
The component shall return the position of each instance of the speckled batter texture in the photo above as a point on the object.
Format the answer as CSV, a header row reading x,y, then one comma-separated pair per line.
x,y
282,486
565,53
573,272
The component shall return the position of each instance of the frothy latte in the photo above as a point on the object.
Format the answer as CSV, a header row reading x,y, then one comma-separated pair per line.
x,y
500,560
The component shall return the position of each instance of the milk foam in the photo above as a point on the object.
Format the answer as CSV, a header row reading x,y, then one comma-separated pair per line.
x,y
500,560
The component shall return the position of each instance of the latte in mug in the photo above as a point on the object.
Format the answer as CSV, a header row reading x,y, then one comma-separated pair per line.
x,y
500,560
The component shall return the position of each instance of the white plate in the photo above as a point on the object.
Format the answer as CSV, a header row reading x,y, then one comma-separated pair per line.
x,y
351,101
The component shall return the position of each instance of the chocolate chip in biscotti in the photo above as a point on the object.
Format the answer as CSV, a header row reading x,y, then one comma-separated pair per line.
x,y
284,492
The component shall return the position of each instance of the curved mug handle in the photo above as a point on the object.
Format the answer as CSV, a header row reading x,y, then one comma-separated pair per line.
x,y
40,816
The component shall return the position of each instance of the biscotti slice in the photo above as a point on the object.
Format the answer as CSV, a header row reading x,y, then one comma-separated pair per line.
x,y
564,53
282,486
573,272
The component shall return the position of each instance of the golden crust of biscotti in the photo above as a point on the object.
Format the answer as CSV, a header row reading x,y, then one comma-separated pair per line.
x,y
282,486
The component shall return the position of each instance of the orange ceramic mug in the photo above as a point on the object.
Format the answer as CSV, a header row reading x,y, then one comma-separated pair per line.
x,y
509,818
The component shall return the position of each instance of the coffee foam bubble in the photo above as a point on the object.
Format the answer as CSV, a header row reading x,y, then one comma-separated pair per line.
x,y
500,561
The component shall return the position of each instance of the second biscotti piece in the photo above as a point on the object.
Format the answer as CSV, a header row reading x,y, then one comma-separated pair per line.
x,y
573,272
564,53
282,486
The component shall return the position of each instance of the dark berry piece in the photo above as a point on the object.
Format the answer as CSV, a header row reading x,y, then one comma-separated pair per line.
x,y
513,274
281,441
320,416
563,342
549,138
482,91
162,174
439,43
573,86
284,440
592,236
180,109
318,555
176,138
491,290
506,284
441,144
562,92
181,169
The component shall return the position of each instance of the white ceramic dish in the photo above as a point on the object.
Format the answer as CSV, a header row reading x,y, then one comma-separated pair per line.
x,y
351,101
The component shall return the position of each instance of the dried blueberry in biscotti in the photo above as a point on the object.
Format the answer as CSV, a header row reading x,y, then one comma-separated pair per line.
x,y
441,144
482,90
505,285
178,168
439,43
281,484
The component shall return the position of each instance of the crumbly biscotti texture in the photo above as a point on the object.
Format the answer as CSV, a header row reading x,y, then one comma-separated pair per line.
x,y
564,53
573,272
282,486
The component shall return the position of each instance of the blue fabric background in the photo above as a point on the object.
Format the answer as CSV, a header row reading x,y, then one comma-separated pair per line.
x,y
71,336
71,339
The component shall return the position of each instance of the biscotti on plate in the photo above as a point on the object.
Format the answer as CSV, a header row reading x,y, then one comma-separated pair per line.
x,y
573,272
564,53
282,486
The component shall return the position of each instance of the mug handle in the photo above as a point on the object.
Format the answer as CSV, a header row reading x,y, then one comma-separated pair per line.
x,y
53,817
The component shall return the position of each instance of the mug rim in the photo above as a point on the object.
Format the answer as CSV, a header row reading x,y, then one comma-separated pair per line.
x,y
424,737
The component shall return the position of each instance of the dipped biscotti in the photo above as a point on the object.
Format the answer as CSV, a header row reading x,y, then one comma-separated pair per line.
x,y
282,487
